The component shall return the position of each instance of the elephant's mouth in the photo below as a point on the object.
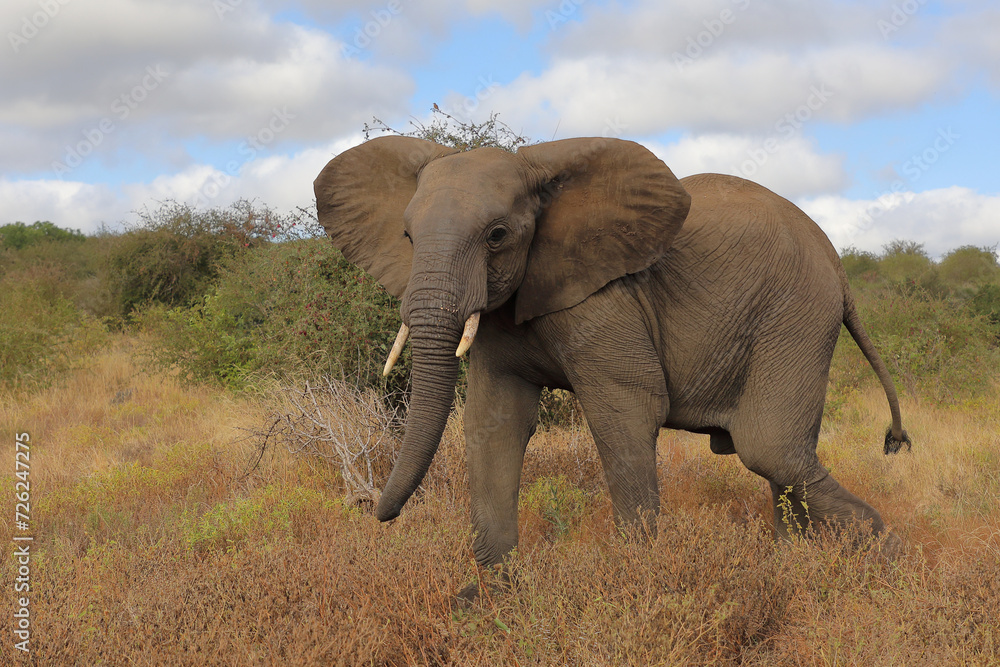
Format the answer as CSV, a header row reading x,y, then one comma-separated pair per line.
x,y
468,335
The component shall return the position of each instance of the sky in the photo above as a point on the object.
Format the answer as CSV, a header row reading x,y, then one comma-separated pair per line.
x,y
880,119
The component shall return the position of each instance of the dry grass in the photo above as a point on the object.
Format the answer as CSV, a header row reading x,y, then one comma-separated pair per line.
x,y
154,546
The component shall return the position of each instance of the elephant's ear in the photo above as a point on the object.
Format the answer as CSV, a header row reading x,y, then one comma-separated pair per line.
x,y
608,208
360,198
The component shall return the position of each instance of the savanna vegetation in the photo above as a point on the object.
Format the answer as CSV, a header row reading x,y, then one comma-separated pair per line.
x,y
208,422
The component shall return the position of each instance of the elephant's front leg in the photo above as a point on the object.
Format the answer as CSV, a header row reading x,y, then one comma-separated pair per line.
x,y
625,421
618,378
500,416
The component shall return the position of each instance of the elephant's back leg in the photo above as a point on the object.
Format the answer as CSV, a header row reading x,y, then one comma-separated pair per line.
x,y
775,432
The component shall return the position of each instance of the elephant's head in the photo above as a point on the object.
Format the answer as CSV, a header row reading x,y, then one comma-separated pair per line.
x,y
457,234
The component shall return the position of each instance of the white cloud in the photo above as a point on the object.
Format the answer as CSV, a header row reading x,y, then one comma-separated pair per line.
x,y
178,69
655,28
941,219
282,182
974,35
519,12
787,164
71,205
719,92
721,66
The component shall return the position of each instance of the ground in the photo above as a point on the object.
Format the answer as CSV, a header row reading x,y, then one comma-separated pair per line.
x,y
158,542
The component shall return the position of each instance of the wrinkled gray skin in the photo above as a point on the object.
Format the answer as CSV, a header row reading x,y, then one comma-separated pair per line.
x,y
708,304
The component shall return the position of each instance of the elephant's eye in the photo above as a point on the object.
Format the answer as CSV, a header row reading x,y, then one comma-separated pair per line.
x,y
497,236
407,235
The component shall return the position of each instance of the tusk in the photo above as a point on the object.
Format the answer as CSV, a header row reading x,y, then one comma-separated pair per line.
x,y
397,348
468,335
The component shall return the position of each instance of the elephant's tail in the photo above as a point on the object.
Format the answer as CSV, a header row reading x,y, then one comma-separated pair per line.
x,y
895,437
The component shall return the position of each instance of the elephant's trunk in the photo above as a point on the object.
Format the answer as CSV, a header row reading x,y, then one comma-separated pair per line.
x,y
434,374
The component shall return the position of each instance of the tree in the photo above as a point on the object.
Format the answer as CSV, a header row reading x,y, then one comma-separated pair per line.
x,y
18,235
969,265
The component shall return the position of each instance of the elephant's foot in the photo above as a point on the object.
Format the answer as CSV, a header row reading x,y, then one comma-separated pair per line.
x,y
496,579
824,506
890,545
466,597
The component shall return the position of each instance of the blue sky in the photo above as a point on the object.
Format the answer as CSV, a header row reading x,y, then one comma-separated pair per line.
x,y
878,118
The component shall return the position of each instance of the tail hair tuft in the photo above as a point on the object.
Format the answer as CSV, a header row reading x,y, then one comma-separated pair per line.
x,y
893,445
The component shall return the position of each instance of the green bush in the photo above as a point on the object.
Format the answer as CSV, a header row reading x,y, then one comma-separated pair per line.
x,y
932,345
859,263
80,267
986,303
18,235
293,308
906,262
173,255
41,332
969,266
558,501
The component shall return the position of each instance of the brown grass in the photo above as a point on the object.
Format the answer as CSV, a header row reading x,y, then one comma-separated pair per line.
x,y
154,546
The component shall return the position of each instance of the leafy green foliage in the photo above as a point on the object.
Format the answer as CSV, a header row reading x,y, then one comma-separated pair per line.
x,y
174,254
18,235
934,338
270,515
291,308
41,331
905,261
936,324
558,501
969,265
859,263
986,303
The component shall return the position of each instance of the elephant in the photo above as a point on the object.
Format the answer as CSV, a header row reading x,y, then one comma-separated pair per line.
x,y
707,304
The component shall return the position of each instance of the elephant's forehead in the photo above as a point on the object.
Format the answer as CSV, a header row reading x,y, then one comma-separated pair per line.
x,y
455,205
477,167
478,188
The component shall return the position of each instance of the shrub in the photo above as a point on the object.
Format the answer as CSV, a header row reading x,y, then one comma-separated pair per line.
x,y
905,262
41,332
558,407
356,431
293,308
986,303
934,345
859,263
557,501
969,266
173,255
18,235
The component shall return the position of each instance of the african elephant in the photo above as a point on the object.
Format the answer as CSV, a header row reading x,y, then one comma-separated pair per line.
x,y
708,304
